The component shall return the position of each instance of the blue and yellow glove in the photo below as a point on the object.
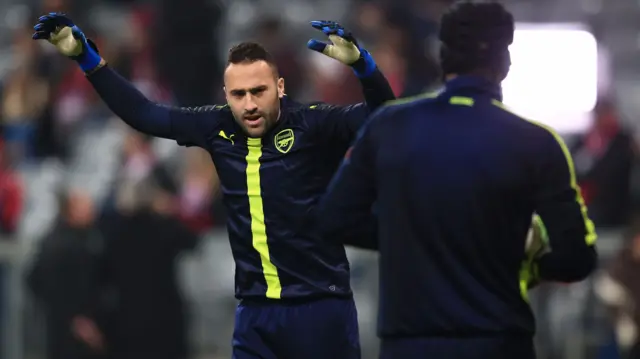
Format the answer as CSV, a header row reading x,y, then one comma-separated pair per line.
x,y
343,47
70,41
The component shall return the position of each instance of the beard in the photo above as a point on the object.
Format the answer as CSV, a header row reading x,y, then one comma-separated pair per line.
x,y
258,123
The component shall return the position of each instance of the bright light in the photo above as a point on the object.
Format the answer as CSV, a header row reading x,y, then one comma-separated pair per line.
x,y
554,75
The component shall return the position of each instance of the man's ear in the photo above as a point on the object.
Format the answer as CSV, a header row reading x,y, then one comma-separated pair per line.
x,y
281,92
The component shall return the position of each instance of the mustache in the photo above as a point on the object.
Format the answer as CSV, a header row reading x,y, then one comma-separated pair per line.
x,y
253,114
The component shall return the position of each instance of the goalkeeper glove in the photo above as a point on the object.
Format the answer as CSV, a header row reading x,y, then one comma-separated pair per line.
x,y
343,47
537,245
537,239
70,41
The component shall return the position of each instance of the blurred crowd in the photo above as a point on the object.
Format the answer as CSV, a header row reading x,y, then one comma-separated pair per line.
x,y
164,197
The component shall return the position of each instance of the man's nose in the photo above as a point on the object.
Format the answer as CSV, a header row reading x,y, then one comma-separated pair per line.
x,y
249,104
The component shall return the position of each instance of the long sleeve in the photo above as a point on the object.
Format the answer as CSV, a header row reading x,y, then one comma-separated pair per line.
x,y
376,90
560,205
364,235
343,122
188,126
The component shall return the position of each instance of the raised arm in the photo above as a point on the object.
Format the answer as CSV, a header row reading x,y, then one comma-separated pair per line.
x,y
188,126
344,121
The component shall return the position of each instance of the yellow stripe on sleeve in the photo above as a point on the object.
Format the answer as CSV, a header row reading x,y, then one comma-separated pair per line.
x,y
256,209
591,236
405,100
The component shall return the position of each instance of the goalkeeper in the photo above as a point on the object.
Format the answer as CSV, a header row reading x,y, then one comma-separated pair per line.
x,y
456,179
275,158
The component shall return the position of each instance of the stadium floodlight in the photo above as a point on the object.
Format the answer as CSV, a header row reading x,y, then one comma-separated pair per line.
x,y
554,75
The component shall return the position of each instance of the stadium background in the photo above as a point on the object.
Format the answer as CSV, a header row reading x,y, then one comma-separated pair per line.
x,y
57,134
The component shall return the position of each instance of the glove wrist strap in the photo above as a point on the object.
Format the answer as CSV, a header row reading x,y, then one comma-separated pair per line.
x,y
102,64
90,59
365,66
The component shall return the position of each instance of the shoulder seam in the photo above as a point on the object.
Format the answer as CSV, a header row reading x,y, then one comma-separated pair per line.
x,y
206,108
411,99
591,235
503,107
316,105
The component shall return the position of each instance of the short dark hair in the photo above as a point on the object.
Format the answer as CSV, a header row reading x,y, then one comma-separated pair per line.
x,y
248,52
476,36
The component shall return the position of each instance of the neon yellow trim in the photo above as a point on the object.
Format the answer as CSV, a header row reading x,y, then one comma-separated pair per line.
x,y
228,138
410,99
462,101
256,209
591,236
526,275
537,221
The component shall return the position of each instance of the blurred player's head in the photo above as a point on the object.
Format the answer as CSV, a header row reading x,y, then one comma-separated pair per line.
x,y
475,39
253,88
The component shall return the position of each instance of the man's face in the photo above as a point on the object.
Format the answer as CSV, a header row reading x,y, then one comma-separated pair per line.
x,y
253,93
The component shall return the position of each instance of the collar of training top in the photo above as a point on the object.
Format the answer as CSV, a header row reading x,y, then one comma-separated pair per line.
x,y
465,83
286,102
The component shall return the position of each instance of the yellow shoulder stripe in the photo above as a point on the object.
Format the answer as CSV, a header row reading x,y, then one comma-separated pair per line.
x,y
401,101
591,236
461,101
